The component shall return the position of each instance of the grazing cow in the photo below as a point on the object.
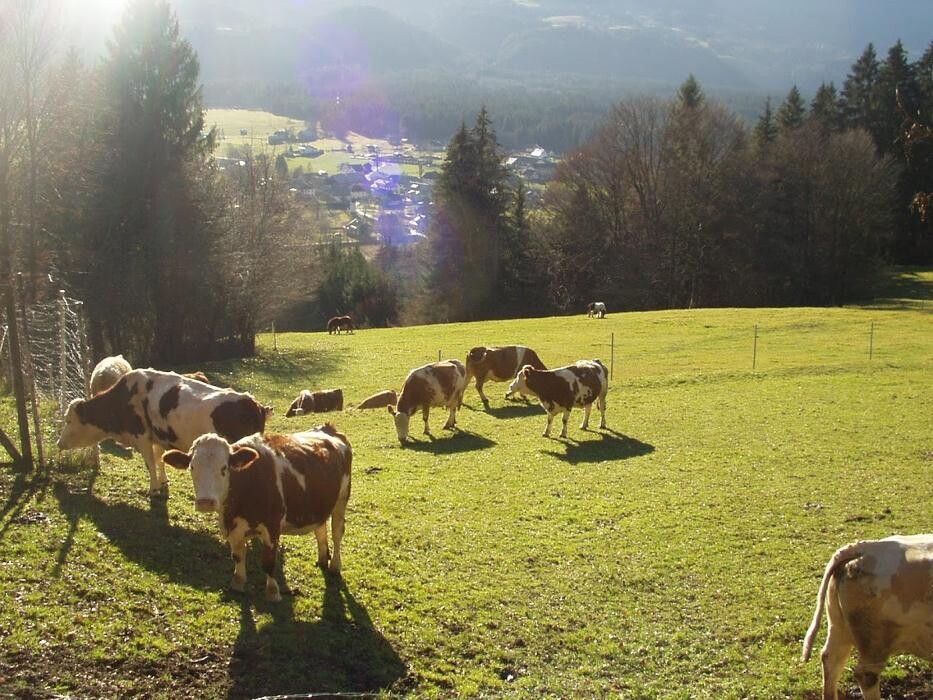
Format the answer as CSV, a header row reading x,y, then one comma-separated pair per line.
x,y
878,596
597,309
379,400
339,323
436,384
152,411
270,485
107,372
316,402
561,389
498,365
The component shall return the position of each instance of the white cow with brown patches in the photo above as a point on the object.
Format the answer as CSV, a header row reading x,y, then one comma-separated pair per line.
x,y
581,384
266,486
436,384
878,596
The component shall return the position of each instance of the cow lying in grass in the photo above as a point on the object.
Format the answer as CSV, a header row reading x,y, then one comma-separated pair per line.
x,y
878,596
561,389
270,485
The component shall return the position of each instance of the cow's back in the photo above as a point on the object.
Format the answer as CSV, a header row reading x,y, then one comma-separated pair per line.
x,y
433,384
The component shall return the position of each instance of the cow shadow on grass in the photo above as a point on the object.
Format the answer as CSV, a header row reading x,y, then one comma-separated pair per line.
x,y
610,446
342,652
516,410
450,443
146,538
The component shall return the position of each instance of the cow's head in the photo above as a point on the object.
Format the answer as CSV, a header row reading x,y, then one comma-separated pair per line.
x,y
76,431
520,383
402,419
211,460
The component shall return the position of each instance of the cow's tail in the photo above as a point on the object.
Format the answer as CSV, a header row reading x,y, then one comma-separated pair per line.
x,y
846,554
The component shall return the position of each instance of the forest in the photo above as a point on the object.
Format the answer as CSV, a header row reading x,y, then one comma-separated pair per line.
x,y
108,189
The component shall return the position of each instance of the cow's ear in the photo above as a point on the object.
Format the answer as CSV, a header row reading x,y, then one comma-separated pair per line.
x,y
242,458
526,370
177,459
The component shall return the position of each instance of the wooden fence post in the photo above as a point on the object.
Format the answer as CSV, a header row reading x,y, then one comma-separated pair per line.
x,y
16,370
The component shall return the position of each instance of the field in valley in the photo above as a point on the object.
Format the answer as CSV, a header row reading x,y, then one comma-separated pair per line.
x,y
675,555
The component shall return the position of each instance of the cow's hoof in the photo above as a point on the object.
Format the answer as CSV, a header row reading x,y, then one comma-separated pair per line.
x,y
272,593
159,494
322,563
334,566
238,585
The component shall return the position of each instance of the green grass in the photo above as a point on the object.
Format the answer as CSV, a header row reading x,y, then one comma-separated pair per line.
x,y
260,125
676,555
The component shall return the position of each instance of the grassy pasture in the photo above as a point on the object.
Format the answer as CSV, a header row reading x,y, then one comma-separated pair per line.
x,y
675,555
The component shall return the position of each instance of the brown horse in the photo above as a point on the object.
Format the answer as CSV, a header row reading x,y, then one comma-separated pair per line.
x,y
340,323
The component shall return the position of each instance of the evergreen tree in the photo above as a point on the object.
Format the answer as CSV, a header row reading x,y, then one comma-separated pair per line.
x,y
766,130
858,91
896,78
825,109
690,95
149,248
791,112
467,231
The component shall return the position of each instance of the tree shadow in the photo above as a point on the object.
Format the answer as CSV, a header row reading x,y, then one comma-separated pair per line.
x,y
459,441
26,486
343,652
285,368
611,446
146,538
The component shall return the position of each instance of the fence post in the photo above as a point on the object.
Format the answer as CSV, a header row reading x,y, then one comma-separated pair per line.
x,y
438,355
16,370
29,371
755,348
871,341
612,354
275,342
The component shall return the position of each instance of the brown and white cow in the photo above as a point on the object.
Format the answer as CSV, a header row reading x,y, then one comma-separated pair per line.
x,y
340,323
561,389
270,485
498,365
316,402
380,399
152,411
436,384
107,372
878,596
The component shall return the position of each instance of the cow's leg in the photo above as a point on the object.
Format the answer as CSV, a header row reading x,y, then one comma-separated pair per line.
x,y
838,646
601,404
237,540
550,420
868,677
157,452
452,417
424,414
565,420
269,550
147,450
479,390
338,521
586,416
323,553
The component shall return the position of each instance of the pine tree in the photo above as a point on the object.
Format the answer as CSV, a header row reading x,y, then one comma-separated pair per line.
x,y
896,77
690,94
858,91
825,109
148,252
766,130
791,112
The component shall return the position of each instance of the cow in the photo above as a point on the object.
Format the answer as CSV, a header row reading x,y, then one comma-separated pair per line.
x,y
436,384
200,376
596,309
559,390
316,402
339,323
152,411
498,365
107,372
878,596
270,485
379,400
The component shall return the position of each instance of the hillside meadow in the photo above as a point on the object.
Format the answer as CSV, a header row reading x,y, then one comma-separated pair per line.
x,y
676,554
